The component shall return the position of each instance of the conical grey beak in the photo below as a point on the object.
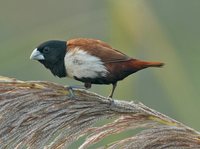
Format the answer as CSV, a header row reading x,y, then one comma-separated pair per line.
x,y
37,55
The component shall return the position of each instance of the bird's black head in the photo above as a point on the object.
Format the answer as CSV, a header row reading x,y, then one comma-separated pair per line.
x,y
51,54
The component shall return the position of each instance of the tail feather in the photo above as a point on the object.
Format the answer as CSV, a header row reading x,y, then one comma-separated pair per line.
x,y
139,64
154,64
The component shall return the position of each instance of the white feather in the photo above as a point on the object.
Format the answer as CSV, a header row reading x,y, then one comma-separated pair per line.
x,y
81,64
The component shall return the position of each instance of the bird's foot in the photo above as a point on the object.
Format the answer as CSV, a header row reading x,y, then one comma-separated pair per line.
x,y
71,92
112,102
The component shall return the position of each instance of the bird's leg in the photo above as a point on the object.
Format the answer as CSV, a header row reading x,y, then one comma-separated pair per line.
x,y
70,88
114,85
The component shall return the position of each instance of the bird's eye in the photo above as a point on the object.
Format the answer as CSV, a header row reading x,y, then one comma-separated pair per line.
x,y
46,50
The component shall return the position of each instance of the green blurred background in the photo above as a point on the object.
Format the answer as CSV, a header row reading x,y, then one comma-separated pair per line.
x,y
167,31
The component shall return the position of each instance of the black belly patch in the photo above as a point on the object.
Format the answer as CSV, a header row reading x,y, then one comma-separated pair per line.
x,y
102,80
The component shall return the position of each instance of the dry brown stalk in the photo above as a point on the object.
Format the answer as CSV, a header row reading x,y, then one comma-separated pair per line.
x,y
37,114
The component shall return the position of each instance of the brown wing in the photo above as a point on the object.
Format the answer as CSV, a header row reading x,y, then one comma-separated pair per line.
x,y
97,48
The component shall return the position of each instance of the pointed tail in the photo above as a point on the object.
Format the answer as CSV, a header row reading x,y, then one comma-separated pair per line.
x,y
154,64
139,64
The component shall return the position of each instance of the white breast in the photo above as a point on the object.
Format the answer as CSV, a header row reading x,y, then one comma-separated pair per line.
x,y
81,64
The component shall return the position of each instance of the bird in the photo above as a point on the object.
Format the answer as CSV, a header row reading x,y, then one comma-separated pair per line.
x,y
90,61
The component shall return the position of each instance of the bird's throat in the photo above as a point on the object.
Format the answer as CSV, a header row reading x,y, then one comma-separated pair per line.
x,y
57,69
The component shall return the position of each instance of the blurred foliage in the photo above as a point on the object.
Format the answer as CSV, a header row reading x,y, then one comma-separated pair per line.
x,y
165,31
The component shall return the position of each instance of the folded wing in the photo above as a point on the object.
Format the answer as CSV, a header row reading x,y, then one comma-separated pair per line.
x,y
97,48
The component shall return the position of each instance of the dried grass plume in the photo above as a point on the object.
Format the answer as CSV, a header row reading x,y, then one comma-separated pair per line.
x,y
37,114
